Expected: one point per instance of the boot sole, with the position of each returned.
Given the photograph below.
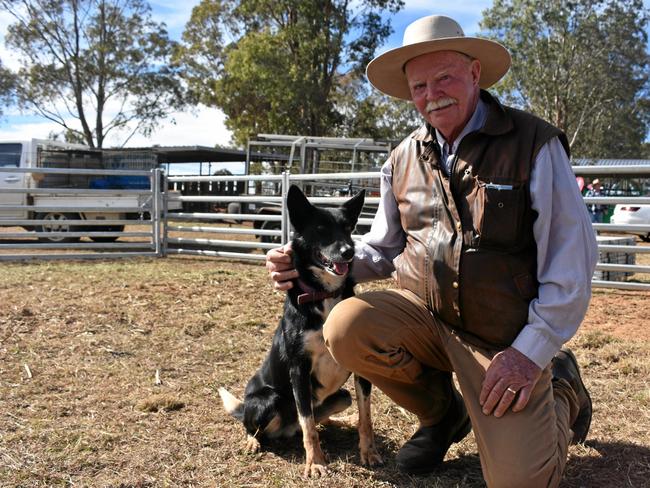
(580, 440)
(461, 433)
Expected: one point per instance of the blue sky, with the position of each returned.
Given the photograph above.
(205, 126)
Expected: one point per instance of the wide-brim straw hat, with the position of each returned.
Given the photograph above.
(431, 34)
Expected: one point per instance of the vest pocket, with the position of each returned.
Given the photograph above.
(501, 222)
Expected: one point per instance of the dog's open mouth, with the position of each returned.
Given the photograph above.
(340, 268)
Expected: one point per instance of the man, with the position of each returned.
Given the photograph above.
(596, 211)
(481, 224)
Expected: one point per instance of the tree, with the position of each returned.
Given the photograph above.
(7, 87)
(369, 113)
(580, 64)
(94, 66)
(277, 65)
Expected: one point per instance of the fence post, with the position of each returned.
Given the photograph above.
(165, 214)
(155, 209)
(285, 225)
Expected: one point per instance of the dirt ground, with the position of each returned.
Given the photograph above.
(109, 371)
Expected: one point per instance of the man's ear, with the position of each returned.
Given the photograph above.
(476, 71)
(352, 208)
(299, 208)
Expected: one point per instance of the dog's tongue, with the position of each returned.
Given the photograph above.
(341, 268)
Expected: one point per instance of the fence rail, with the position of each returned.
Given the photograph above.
(239, 226)
(611, 254)
(47, 223)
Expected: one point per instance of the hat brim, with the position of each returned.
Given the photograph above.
(386, 71)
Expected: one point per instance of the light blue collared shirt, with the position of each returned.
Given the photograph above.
(566, 247)
(475, 123)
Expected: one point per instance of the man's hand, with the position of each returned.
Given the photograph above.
(280, 266)
(510, 376)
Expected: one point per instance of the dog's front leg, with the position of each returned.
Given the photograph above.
(367, 448)
(315, 465)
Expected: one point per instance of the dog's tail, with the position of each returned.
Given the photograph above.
(233, 405)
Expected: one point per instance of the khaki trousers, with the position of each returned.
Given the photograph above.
(393, 340)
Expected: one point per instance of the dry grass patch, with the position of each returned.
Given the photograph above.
(109, 371)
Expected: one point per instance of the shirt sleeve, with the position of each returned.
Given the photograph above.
(567, 254)
(386, 239)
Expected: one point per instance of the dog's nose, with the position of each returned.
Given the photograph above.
(347, 252)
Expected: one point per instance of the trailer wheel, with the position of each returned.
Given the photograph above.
(108, 228)
(57, 224)
(269, 225)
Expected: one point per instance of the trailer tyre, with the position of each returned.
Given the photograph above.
(108, 228)
(270, 225)
(58, 225)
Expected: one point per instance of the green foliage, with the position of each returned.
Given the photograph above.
(280, 66)
(93, 66)
(580, 64)
(7, 87)
(374, 114)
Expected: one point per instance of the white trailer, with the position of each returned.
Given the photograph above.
(69, 186)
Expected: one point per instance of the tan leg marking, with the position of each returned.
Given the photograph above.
(315, 465)
(367, 447)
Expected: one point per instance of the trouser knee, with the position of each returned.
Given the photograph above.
(343, 329)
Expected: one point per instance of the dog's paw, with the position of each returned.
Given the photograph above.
(315, 470)
(370, 457)
(252, 445)
(349, 421)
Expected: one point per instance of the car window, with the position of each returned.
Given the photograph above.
(10, 154)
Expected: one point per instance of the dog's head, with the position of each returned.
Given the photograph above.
(322, 242)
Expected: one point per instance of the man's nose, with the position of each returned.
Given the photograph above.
(432, 92)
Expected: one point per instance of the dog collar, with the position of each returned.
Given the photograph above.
(310, 295)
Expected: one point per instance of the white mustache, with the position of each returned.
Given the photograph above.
(440, 103)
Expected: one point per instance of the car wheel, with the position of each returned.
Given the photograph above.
(57, 223)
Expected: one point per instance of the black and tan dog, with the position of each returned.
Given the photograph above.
(299, 384)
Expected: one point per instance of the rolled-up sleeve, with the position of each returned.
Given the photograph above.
(567, 254)
(385, 240)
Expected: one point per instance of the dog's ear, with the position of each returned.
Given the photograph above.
(299, 208)
(352, 208)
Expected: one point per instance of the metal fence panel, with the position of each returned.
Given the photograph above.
(80, 221)
(617, 248)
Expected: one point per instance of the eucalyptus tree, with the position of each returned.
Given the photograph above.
(93, 66)
(580, 64)
(280, 65)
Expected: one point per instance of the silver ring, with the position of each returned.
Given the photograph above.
(512, 390)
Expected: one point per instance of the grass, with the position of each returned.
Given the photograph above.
(109, 371)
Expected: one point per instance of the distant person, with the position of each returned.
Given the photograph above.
(482, 224)
(596, 211)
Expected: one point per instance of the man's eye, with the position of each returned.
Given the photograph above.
(419, 86)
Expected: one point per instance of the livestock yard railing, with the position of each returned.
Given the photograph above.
(48, 221)
(242, 225)
(253, 222)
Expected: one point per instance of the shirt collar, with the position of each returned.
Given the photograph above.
(475, 122)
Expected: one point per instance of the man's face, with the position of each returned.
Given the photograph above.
(444, 88)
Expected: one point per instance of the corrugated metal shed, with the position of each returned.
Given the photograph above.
(610, 162)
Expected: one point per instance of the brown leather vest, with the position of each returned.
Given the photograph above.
(470, 251)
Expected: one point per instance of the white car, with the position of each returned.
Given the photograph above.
(633, 214)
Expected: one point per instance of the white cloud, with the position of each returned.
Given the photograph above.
(204, 128)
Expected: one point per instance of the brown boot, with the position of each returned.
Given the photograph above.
(427, 448)
(565, 366)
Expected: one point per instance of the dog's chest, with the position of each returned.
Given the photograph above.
(329, 374)
(326, 306)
